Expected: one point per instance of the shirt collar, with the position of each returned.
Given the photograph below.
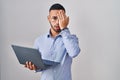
(49, 34)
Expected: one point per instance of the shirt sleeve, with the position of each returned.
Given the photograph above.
(36, 47)
(71, 43)
(38, 70)
(36, 44)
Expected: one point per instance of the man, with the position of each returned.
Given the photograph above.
(58, 45)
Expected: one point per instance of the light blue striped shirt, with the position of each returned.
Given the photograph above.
(61, 49)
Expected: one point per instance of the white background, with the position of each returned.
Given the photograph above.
(95, 22)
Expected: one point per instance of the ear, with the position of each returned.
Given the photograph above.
(48, 17)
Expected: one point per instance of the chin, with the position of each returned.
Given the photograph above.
(58, 30)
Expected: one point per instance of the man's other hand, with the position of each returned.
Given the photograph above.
(30, 65)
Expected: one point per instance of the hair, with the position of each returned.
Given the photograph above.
(57, 6)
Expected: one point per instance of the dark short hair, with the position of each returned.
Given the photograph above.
(56, 6)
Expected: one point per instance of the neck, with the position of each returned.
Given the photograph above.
(53, 33)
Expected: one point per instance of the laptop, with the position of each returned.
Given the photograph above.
(24, 54)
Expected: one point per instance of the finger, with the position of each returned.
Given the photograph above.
(60, 14)
(26, 64)
(63, 15)
(33, 67)
(30, 65)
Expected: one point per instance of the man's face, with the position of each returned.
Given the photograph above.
(54, 21)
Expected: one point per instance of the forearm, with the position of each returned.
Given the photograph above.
(71, 43)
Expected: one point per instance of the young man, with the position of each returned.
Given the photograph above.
(57, 45)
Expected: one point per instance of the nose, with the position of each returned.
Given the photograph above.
(57, 21)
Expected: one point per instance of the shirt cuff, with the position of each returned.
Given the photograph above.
(65, 32)
(38, 70)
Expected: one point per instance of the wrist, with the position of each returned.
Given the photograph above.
(65, 32)
(64, 29)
